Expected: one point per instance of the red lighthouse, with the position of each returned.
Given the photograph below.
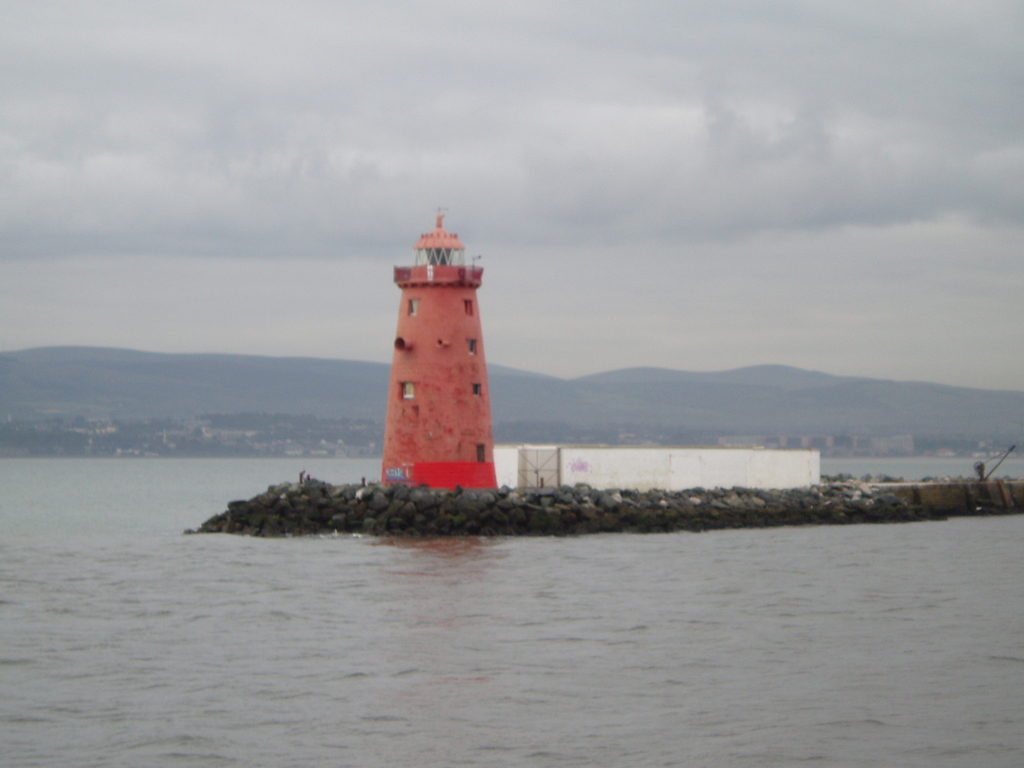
(438, 428)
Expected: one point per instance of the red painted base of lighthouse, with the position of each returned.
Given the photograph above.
(438, 430)
(445, 474)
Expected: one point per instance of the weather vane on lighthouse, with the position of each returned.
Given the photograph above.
(438, 428)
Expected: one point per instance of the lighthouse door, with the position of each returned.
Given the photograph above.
(538, 467)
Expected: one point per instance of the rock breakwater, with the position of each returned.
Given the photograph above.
(315, 507)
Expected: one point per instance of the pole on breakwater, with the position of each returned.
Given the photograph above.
(980, 466)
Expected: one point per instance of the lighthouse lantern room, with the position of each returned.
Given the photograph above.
(438, 429)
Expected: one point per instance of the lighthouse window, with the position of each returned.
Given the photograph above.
(480, 452)
(468, 304)
(476, 390)
(440, 256)
(408, 390)
(472, 346)
(414, 305)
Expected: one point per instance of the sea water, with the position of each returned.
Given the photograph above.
(125, 643)
(921, 467)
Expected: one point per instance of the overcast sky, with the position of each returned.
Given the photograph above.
(696, 185)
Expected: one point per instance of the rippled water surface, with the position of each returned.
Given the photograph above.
(919, 467)
(125, 643)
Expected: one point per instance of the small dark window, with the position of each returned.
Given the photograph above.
(414, 306)
(468, 304)
(476, 390)
(480, 452)
(472, 346)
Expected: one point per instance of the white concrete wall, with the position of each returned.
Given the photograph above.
(744, 467)
(674, 469)
(640, 468)
(506, 465)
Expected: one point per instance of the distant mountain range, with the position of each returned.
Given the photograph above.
(759, 400)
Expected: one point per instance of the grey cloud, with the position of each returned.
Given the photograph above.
(265, 127)
(707, 176)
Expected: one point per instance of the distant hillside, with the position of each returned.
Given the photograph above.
(98, 382)
(125, 384)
